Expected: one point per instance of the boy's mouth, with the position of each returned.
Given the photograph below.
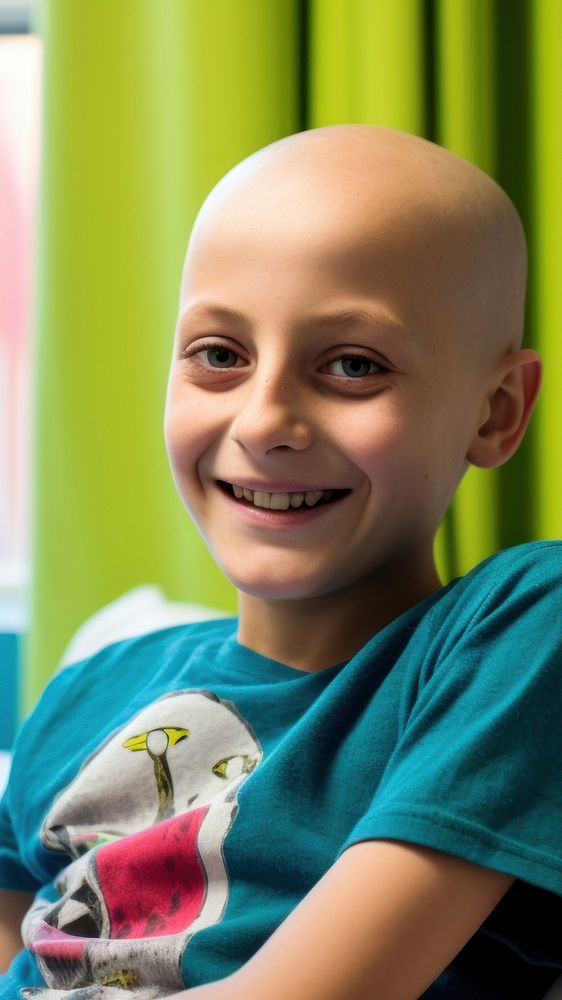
(281, 501)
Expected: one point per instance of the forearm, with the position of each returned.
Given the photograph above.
(384, 921)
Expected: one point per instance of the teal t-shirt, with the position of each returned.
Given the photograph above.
(173, 797)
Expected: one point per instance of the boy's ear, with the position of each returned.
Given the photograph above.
(507, 409)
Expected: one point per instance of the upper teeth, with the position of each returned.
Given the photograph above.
(281, 501)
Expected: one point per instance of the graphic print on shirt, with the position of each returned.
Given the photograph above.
(144, 821)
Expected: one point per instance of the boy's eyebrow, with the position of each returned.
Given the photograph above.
(346, 318)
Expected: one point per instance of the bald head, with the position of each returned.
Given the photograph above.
(450, 229)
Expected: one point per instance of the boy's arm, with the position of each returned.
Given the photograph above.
(13, 907)
(381, 924)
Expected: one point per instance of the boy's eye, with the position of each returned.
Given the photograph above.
(212, 356)
(353, 366)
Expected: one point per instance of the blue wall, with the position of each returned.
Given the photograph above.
(13, 624)
(9, 659)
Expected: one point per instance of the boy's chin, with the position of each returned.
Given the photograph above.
(274, 590)
(274, 586)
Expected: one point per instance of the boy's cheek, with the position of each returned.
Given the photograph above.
(187, 431)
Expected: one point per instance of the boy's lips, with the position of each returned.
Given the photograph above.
(280, 509)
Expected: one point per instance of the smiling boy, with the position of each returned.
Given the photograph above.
(352, 790)
(344, 220)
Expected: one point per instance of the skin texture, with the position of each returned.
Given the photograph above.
(343, 217)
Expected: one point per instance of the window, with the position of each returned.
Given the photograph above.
(20, 76)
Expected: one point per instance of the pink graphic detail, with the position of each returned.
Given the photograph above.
(153, 882)
(53, 943)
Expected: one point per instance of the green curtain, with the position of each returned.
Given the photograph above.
(146, 104)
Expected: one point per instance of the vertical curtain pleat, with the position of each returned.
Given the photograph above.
(366, 63)
(547, 215)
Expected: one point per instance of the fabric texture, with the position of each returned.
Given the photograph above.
(174, 796)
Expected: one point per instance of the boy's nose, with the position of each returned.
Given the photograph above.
(270, 416)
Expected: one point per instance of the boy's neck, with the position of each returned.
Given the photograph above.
(313, 633)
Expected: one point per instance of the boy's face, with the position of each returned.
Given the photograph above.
(285, 400)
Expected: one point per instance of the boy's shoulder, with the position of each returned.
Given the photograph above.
(143, 609)
(523, 581)
(154, 639)
(526, 564)
(100, 691)
(128, 666)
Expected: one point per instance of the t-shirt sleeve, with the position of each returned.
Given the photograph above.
(66, 725)
(34, 779)
(17, 805)
(13, 872)
(477, 771)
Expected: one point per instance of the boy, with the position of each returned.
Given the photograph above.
(352, 791)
